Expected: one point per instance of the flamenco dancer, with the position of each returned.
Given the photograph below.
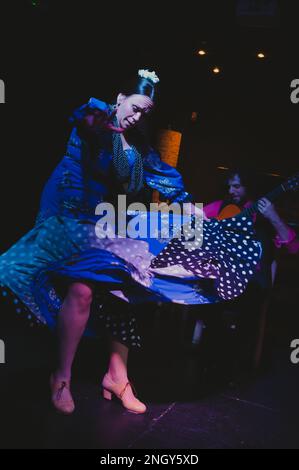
(107, 156)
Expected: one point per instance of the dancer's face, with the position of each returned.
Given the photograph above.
(131, 109)
(236, 190)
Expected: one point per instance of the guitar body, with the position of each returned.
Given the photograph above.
(228, 212)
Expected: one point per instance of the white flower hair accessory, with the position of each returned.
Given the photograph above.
(149, 75)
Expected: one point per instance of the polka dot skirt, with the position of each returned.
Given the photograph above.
(117, 318)
(227, 252)
(10, 301)
(109, 316)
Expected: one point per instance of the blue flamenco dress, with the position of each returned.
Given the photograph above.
(63, 246)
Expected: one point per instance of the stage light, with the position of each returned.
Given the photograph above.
(261, 55)
(202, 52)
(216, 70)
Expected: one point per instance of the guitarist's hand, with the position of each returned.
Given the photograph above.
(267, 209)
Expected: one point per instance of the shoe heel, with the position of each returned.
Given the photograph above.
(106, 394)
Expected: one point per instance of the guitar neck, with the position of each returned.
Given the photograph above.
(253, 209)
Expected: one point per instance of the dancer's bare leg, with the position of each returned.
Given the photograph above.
(118, 363)
(116, 378)
(72, 321)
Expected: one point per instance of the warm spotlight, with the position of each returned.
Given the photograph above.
(216, 70)
(261, 55)
(202, 52)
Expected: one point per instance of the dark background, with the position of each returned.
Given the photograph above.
(56, 54)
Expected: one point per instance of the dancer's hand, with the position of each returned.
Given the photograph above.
(99, 119)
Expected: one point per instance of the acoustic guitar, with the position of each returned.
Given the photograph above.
(232, 210)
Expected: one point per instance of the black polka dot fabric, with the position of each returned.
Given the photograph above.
(10, 301)
(227, 252)
(109, 316)
(117, 319)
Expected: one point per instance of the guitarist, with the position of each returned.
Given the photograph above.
(269, 224)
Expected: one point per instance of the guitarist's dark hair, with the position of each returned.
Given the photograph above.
(249, 178)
